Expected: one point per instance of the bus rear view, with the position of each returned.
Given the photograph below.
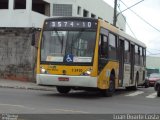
(66, 55)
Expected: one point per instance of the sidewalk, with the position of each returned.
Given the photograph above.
(5, 83)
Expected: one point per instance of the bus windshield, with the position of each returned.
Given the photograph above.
(68, 46)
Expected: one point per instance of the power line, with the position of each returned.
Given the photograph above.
(141, 18)
(155, 54)
(130, 7)
(154, 49)
(150, 53)
(127, 23)
(115, 10)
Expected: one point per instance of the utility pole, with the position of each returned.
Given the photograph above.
(115, 13)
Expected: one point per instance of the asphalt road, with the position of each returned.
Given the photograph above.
(20, 101)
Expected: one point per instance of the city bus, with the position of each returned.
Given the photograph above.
(77, 53)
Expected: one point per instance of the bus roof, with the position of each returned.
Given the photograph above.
(71, 18)
(121, 33)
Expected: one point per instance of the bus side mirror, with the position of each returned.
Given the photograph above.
(33, 42)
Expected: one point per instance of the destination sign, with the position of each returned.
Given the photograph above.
(70, 24)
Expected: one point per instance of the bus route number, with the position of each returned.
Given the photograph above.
(77, 70)
(71, 24)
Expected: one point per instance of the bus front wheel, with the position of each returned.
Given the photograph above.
(63, 89)
(110, 91)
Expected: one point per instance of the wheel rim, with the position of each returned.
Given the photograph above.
(136, 84)
(111, 86)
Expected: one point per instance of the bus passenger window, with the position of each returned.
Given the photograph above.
(141, 55)
(127, 52)
(103, 46)
(112, 46)
(137, 55)
(144, 56)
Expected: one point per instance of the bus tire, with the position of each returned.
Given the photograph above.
(135, 86)
(136, 82)
(146, 85)
(110, 91)
(158, 91)
(63, 89)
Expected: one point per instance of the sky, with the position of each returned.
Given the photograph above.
(149, 10)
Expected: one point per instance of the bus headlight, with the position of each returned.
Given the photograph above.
(43, 71)
(87, 73)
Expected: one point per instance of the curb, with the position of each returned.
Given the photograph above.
(29, 88)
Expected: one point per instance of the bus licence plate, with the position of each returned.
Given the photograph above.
(63, 79)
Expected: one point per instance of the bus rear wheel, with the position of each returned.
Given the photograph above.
(63, 89)
(135, 86)
(136, 83)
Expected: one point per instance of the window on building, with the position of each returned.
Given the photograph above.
(93, 15)
(4, 4)
(19, 4)
(62, 10)
(79, 10)
(85, 13)
(41, 7)
(112, 46)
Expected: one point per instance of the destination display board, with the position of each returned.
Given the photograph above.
(51, 24)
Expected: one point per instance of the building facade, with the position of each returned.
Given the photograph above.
(31, 13)
(152, 64)
(20, 22)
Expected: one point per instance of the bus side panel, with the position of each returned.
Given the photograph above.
(104, 76)
(127, 72)
(139, 70)
(95, 62)
(38, 54)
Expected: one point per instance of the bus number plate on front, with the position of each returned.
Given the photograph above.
(63, 79)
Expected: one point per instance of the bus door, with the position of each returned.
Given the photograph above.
(121, 62)
(132, 63)
(103, 50)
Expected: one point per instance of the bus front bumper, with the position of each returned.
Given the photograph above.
(64, 80)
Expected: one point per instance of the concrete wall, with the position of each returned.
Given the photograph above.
(21, 18)
(17, 56)
(27, 18)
